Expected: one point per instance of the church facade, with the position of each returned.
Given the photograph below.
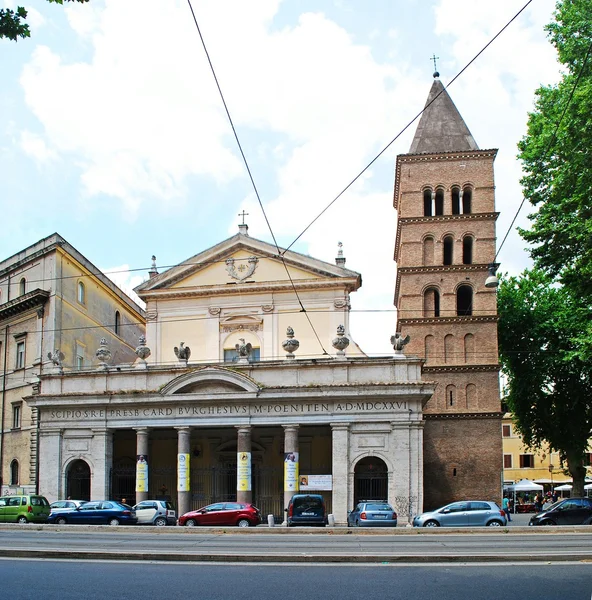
(247, 387)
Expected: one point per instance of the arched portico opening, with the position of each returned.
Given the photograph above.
(370, 479)
(78, 480)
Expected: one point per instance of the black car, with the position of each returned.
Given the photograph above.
(571, 511)
(306, 509)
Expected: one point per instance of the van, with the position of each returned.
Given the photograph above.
(29, 508)
(306, 509)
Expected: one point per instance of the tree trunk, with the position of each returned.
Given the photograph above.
(577, 470)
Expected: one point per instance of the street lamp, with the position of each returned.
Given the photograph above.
(492, 281)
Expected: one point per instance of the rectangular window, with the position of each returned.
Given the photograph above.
(20, 355)
(527, 461)
(16, 416)
(79, 356)
(507, 461)
(506, 430)
(80, 362)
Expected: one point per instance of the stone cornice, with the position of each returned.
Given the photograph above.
(443, 268)
(447, 320)
(29, 301)
(433, 369)
(461, 416)
(445, 156)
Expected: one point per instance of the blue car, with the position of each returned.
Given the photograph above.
(373, 513)
(103, 512)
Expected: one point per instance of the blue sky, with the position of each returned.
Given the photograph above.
(113, 135)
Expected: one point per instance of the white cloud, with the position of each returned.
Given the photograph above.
(35, 146)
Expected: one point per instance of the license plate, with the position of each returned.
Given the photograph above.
(308, 514)
(379, 516)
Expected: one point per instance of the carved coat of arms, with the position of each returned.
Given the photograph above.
(242, 271)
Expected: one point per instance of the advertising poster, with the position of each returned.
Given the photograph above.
(243, 475)
(316, 482)
(291, 471)
(142, 473)
(183, 472)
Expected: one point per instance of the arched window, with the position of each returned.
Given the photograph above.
(22, 287)
(429, 347)
(468, 250)
(117, 322)
(449, 348)
(471, 396)
(431, 303)
(447, 257)
(469, 348)
(14, 472)
(81, 293)
(428, 251)
(450, 395)
(455, 200)
(467, 197)
(464, 301)
(439, 201)
(427, 203)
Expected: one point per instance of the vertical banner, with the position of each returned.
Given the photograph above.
(183, 473)
(291, 471)
(243, 471)
(142, 473)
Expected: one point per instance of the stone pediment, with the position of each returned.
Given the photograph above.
(244, 261)
(210, 380)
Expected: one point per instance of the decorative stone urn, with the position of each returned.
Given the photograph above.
(103, 354)
(341, 342)
(290, 345)
(142, 352)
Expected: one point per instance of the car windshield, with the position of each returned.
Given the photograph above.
(378, 507)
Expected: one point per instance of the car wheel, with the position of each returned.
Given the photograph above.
(22, 520)
(190, 523)
(114, 522)
(494, 524)
(431, 523)
(548, 522)
(61, 521)
(160, 522)
(243, 523)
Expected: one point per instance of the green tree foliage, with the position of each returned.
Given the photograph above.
(549, 384)
(556, 156)
(13, 24)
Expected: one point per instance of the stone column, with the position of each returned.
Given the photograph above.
(141, 464)
(51, 474)
(244, 489)
(341, 480)
(291, 462)
(101, 449)
(183, 470)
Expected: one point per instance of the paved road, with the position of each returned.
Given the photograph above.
(49, 580)
(304, 546)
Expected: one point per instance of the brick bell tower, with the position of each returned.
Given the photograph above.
(445, 198)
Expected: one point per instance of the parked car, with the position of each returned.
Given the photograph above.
(155, 512)
(61, 506)
(223, 513)
(102, 512)
(571, 511)
(373, 513)
(28, 508)
(472, 513)
(306, 509)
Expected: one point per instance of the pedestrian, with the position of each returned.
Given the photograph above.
(538, 503)
(124, 500)
(506, 507)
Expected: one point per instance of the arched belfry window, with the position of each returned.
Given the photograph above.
(117, 323)
(431, 303)
(428, 251)
(455, 193)
(81, 293)
(464, 301)
(427, 203)
(22, 287)
(468, 250)
(439, 202)
(448, 250)
(467, 198)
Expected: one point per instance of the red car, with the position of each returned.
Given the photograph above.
(223, 513)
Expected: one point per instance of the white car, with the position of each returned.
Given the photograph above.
(61, 506)
(155, 512)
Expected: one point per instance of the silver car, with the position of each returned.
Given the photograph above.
(471, 513)
(155, 512)
(62, 506)
(374, 513)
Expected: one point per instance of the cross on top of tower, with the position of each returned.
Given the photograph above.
(435, 58)
(243, 215)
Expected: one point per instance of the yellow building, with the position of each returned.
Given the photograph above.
(521, 462)
(55, 308)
